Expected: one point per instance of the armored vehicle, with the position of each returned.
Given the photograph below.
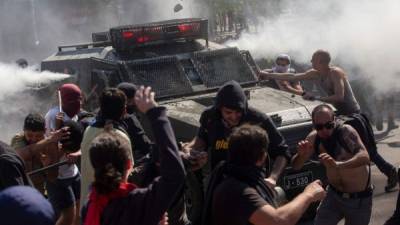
(185, 69)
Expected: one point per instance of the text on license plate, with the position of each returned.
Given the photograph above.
(297, 180)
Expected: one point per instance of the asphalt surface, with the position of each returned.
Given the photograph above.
(383, 203)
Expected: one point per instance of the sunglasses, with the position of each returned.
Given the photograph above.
(328, 125)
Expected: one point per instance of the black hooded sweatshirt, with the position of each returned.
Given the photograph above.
(214, 133)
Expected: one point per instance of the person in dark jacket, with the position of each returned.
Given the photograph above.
(146, 157)
(231, 110)
(12, 168)
(141, 143)
(114, 201)
(238, 194)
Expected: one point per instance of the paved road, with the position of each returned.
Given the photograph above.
(383, 203)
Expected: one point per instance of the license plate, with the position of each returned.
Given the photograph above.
(297, 180)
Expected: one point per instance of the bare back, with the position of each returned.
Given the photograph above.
(335, 80)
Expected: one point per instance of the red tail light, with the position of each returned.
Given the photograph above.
(186, 27)
(128, 34)
(142, 39)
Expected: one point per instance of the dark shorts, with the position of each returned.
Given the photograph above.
(63, 193)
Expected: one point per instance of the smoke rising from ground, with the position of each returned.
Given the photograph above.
(19, 96)
(360, 35)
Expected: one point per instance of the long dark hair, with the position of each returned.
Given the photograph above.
(109, 154)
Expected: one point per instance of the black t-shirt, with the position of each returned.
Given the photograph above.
(234, 202)
(215, 134)
(12, 168)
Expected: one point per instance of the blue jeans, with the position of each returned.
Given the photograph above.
(355, 211)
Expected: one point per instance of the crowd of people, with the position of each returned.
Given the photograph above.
(102, 168)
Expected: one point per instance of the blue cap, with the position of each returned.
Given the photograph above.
(21, 205)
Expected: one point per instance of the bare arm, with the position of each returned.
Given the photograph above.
(26, 153)
(290, 213)
(338, 77)
(286, 86)
(195, 152)
(196, 144)
(355, 145)
(305, 149)
(309, 75)
(279, 165)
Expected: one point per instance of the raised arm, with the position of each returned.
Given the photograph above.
(27, 152)
(305, 149)
(163, 191)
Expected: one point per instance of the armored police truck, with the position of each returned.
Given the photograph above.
(185, 70)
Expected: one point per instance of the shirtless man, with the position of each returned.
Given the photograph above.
(346, 161)
(332, 79)
(335, 84)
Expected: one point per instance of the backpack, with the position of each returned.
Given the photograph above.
(360, 123)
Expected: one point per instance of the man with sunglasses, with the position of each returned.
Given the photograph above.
(335, 84)
(346, 160)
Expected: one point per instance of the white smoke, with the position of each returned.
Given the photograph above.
(19, 95)
(33, 29)
(47, 24)
(359, 34)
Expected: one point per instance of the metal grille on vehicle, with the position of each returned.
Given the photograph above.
(219, 66)
(165, 75)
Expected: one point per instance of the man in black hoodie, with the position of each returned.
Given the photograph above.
(231, 110)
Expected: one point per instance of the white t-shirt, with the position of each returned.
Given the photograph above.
(87, 171)
(68, 170)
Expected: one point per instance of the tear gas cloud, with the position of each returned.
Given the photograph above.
(18, 96)
(33, 29)
(360, 35)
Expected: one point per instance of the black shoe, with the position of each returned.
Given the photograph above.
(392, 126)
(393, 178)
(394, 220)
(379, 124)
